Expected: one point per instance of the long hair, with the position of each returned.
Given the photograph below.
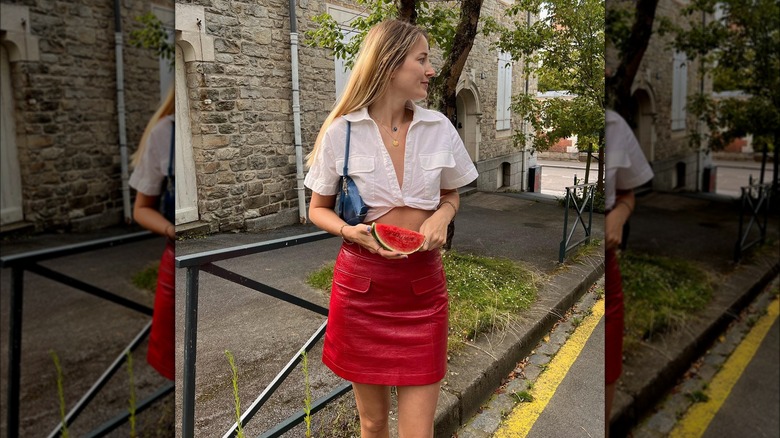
(382, 52)
(166, 108)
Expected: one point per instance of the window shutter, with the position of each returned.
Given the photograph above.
(504, 91)
(679, 90)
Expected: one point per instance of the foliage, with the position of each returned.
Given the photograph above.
(236, 399)
(742, 52)
(153, 35)
(660, 293)
(307, 396)
(438, 19)
(565, 50)
(131, 402)
(146, 279)
(60, 393)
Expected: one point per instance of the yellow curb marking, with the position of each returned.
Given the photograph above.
(524, 415)
(699, 416)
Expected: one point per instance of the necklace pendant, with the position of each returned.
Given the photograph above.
(395, 143)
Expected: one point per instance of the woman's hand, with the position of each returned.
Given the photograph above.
(435, 227)
(435, 231)
(361, 235)
(616, 219)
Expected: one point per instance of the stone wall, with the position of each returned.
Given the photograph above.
(243, 143)
(66, 112)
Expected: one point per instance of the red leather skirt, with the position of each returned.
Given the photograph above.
(387, 323)
(613, 319)
(162, 339)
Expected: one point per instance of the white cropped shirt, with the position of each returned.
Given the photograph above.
(627, 167)
(435, 159)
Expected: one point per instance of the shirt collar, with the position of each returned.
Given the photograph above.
(420, 114)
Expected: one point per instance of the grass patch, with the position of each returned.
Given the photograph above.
(322, 278)
(697, 396)
(522, 397)
(146, 279)
(485, 293)
(660, 293)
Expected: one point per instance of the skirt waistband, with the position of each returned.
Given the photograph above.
(418, 258)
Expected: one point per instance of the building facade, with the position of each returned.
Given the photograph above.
(663, 126)
(61, 125)
(235, 126)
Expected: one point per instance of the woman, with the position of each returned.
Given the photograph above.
(153, 178)
(626, 169)
(387, 323)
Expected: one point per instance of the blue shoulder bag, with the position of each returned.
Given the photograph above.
(349, 205)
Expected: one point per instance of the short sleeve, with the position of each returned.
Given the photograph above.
(323, 178)
(464, 171)
(149, 174)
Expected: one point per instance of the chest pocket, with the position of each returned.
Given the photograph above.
(360, 169)
(432, 165)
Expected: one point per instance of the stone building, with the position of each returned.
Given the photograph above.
(61, 126)
(662, 125)
(236, 159)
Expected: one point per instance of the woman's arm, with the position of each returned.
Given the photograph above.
(624, 206)
(322, 215)
(435, 227)
(146, 214)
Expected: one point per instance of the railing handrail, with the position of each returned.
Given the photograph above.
(204, 257)
(76, 248)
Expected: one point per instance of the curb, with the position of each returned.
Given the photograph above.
(642, 386)
(482, 368)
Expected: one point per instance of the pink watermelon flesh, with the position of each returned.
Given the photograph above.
(397, 239)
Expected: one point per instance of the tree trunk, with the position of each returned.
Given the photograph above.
(407, 11)
(446, 83)
(619, 84)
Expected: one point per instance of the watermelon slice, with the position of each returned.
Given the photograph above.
(397, 239)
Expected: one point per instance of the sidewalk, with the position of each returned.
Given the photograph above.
(701, 229)
(86, 332)
(264, 333)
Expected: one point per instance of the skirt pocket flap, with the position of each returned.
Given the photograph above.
(428, 283)
(351, 282)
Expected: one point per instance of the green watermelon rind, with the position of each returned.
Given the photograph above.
(387, 246)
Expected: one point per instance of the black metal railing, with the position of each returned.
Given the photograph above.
(28, 261)
(203, 261)
(755, 201)
(579, 196)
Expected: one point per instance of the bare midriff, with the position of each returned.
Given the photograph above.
(405, 217)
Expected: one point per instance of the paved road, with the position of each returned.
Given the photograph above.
(564, 375)
(577, 408)
(737, 383)
(731, 175)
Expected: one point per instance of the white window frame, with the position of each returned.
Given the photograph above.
(504, 92)
(679, 90)
(343, 17)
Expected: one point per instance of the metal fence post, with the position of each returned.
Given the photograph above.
(190, 342)
(562, 250)
(15, 349)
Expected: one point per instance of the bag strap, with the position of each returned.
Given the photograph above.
(346, 153)
(171, 156)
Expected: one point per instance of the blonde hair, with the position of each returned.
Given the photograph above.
(381, 53)
(166, 108)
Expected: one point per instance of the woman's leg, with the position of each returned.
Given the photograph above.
(373, 403)
(416, 408)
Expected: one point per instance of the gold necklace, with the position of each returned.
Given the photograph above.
(395, 129)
